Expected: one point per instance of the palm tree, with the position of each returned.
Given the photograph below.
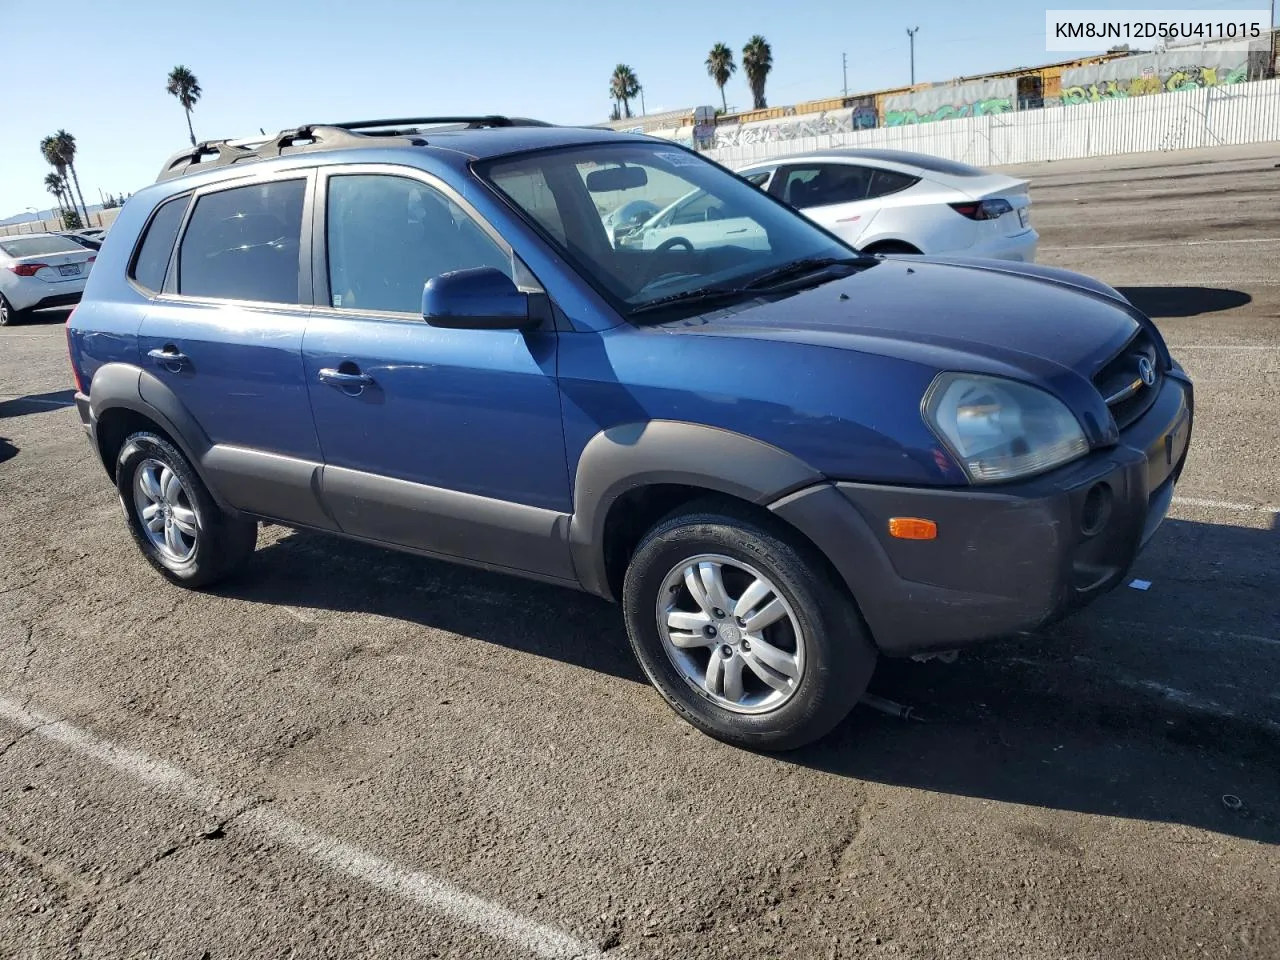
(184, 85)
(66, 148)
(720, 67)
(56, 185)
(623, 87)
(757, 61)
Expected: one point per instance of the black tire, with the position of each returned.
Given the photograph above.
(222, 543)
(8, 315)
(840, 656)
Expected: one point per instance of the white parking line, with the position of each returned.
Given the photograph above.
(1223, 505)
(417, 887)
(1200, 631)
(1163, 243)
(1225, 346)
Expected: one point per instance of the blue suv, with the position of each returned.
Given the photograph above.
(783, 458)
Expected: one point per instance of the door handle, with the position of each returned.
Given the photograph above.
(332, 375)
(168, 355)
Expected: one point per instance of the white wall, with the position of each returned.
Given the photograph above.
(1211, 116)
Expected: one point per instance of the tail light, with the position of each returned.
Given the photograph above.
(71, 355)
(983, 209)
(91, 259)
(26, 269)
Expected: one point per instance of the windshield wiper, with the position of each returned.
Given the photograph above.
(704, 295)
(756, 286)
(798, 268)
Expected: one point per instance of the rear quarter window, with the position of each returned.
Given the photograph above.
(151, 262)
(885, 182)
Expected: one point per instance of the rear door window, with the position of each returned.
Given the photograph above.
(151, 262)
(244, 244)
(824, 184)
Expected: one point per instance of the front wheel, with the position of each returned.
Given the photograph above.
(741, 627)
(175, 522)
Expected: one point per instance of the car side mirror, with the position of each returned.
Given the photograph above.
(478, 298)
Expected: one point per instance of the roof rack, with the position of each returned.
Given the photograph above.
(406, 132)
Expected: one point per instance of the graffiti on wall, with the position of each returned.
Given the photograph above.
(947, 102)
(1182, 78)
(794, 127)
(949, 111)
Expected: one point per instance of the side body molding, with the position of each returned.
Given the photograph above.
(633, 455)
(240, 481)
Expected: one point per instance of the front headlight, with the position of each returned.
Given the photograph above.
(1001, 429)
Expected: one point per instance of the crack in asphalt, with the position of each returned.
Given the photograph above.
(218, 831)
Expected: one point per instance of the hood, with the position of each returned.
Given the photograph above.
(971, 315)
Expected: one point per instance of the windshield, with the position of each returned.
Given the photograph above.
(645, 222)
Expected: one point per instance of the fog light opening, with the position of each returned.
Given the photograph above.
(1096, 511)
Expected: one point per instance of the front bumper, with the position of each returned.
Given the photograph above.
(1009, 558)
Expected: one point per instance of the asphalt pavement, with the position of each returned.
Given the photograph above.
(352, 753)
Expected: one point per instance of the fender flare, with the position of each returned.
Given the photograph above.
(123, 386)
(631, 455)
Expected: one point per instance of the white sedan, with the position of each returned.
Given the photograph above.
(40, 270)
(892, 201)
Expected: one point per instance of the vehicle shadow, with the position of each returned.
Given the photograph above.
(7, 450)
(319, 571)
(1086, 716)
(37, 402)
(1168, 302)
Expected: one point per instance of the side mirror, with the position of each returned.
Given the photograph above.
(478, 298)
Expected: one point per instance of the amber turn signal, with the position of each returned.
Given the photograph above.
(912, 528)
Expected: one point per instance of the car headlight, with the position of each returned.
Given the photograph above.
(1001, 429)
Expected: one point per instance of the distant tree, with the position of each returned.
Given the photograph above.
(57, 186)
(757, 61)
(71, 220)
(184, 85)
(66, 147)
(49, 150)
(624, 87)
(720, 67)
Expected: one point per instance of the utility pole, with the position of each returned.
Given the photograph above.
(911, 32)
(844, 62)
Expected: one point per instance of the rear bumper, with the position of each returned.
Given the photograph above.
(1020, 247)
(1006, 559)
(58, 300)
(35, 294)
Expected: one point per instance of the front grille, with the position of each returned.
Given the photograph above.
(1121, 383)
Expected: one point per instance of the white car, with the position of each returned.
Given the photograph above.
(40, 270)
(892, 201)
(693, 221)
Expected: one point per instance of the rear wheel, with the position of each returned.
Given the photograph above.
(173, 519)
(740, 626)
(8, 314)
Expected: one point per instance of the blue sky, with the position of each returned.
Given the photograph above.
(278, 63)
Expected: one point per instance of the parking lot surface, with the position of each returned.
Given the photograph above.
(352, 753)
